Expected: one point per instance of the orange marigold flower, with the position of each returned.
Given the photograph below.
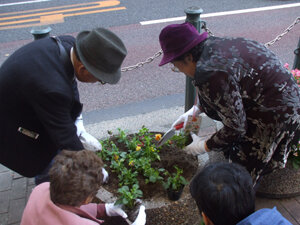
(157, 137)
(138, 148)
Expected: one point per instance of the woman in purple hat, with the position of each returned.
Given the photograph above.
(244, 85)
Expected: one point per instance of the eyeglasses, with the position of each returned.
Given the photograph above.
(175, 69)
(102, 82)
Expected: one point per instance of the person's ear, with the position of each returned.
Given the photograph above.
(81, 68)
(206, 220)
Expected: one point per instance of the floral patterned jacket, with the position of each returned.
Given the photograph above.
(243, 84)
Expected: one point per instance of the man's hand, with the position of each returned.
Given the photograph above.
(184, 117)
(105, 175)
(141, 218)
(88, 141)
(114, 210)
(198, 146)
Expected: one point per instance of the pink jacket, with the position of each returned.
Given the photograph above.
(40, 210)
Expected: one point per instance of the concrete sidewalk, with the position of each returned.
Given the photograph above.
(15, 189)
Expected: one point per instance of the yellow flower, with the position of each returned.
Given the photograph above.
(157, 137)
(138, 148)
(152, 149)
(131, 163)
(116, 157)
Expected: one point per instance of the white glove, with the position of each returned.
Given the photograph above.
(105, 175)
(197, 146)
(87, 140)
(184, 117)
(141, 218)
(114, 210)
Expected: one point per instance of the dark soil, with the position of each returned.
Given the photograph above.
(183, 211)
(169, 157)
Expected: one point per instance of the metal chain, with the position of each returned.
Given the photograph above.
(159, 53)
(140, 64)
(297, 20)
(204, 27)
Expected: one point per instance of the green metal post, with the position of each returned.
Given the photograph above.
(193, 17)
(297, 57)
(40, 32)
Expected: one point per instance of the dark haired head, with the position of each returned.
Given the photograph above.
(224, 193)
(195, 52)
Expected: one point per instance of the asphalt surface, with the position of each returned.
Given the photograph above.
(151, 87)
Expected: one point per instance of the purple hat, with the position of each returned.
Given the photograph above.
(177, 39)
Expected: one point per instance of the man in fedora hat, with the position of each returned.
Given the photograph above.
(40, 110)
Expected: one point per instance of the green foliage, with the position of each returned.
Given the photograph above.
(178, 140)
(175, 181)
(129, 195)
(127, 177)
(136, 160)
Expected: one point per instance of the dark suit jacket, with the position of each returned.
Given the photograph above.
(38, 93)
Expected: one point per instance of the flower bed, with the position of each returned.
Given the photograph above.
(139, 169)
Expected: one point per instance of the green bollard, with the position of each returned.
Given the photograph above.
(193, 17)
(297, 57)
(39, 33)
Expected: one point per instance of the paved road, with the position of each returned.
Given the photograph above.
(152, 83)
(69, 16)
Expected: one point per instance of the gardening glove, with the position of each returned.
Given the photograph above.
(105, 175)
(87, 140)
(141, 218)
(197, 146)
(184, 117)
(114, 210)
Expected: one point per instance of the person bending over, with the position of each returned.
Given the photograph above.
(75, 178)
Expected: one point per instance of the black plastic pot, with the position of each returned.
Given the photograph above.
(174, 195)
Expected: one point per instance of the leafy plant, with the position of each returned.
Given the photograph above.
(129, 195)
(136, 160)
(127, 177)
(178, 140)
(175, 181)
(294, 156)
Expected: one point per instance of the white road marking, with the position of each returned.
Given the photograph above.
(22, 3)
(223, 13)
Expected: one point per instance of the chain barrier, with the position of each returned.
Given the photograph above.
(297, 20)
(140, 64)
(204, 27)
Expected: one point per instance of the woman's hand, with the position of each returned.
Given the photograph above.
(194, 111)
(198, 146)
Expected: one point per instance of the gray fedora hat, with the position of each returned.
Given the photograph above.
(102, 53)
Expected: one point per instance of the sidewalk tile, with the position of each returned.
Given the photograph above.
(5, 180)
(29, 190)
(16, 175)
(3, 219)
(30, 181)
(16, 208)
(3, 168)
(18, 188)
(4, 201)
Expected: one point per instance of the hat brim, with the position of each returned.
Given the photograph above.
(169, 57)
(111, 78)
